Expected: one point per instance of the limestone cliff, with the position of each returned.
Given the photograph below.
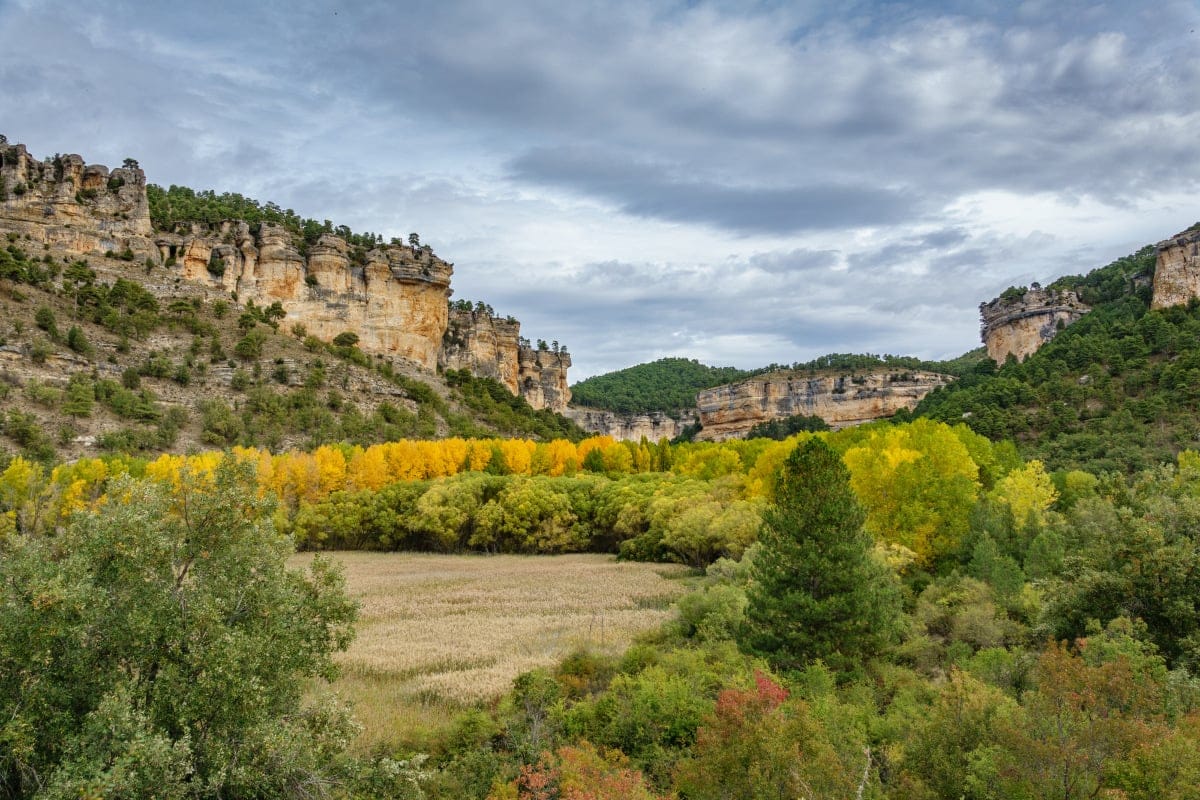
(1177, 270)
(730, 411)
(484, 344)
(75, 208)
(393, 297)
(631, 427)
(1018, 323)
(542, 378)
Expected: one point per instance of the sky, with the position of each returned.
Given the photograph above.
(742, 183)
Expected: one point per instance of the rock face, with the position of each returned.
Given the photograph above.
(491, 346)
(394, 297)
(76, 208)
(1019, 324)
(730, 411)
(631, 427)
(1177, 270)
(542, 378)
(484, 344)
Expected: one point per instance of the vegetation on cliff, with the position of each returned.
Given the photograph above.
(177, 205)
(1114, 391)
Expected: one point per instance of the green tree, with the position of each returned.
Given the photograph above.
(161, 647)
(817, 590)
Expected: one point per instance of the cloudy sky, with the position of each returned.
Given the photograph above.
(738, 182)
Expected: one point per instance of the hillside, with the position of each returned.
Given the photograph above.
(667, 385)
(138, 319)
(1116, 390)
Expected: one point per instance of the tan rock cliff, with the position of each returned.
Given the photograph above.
(1019, 325)
(631, 427)
(542, 377)
(74, 207)
(730, 411)
(484, 344)
(393, 297)
(1177, 270)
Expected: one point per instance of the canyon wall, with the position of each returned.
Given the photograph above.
(1019, 323)
(490, 346)
(730, 411)
(394, 297)
(631, 427)
(1177, 270)
(76, 208)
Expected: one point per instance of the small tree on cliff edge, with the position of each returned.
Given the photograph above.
(817, 592)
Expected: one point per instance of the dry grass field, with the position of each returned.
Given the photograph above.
(440, 632)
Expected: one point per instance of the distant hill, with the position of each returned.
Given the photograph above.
(1117, 390)
(669, 384)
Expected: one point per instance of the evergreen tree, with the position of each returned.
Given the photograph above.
(817, 592)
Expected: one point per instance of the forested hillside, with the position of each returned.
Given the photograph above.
(1117, 390)
(668, 384)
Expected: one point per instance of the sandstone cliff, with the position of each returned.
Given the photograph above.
(1020, 323)
(631, 427)
(492, 347)
(1177, 270)
(730, 411)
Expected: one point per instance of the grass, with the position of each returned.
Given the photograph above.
(438, 633)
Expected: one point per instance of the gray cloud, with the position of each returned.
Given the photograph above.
(881, 167)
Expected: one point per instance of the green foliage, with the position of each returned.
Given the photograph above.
(668, 384)
(1113, 391)
(817, 591)
(504, 412)
(781, 429)
(178, 204)
(155, 652)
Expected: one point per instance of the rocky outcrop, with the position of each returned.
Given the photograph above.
(393, 297)
(1017, 322)
(631, 427)
(74, 207)
(483, 344)
(542, 377)
(1177, 270)
(730, 411)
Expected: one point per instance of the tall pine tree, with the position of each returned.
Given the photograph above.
(817, 592)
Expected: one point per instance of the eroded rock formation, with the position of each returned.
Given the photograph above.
(542, 378)
(730, 411)
(631, 427)
(1018, 323)
(393, 297)
(75, 208)
(1177, 270)
(484, 344)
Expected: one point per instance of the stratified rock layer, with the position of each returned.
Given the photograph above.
(631, 427)
(730, 411)
(1177, 270)
(1019, 325)
(394, 297)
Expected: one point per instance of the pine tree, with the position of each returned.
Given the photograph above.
(817, 591)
